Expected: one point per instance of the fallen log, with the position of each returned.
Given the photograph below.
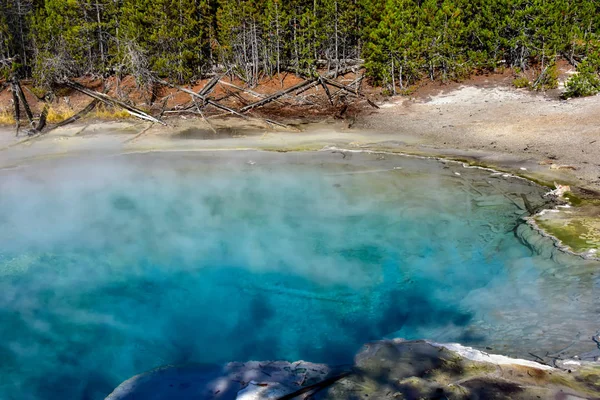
(277, 95)
(330, 74)
(199, 110)
(355, 84)
(326, 88)
(308, 87)
(237, 96)
(204, 99)
(225, 108)
(341, 86)
(350, 91)
(210, 85)
(77, 116)
(106, 99)
(245, 90)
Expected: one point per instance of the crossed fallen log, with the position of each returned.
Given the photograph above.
(200, 99)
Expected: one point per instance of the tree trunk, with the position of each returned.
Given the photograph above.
(100, 40)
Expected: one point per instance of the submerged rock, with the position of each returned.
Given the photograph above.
(245, 381)
(390, 369)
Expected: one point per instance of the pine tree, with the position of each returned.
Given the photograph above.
(401, 41)
(168, 32)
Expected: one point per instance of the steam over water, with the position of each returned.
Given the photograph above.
(113, 266)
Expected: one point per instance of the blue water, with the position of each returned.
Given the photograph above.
(112, 266)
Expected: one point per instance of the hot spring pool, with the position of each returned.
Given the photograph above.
(111, 266)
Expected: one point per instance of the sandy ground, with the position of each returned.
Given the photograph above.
(498, 124)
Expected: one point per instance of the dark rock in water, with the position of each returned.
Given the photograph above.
(176, 382)
(391, 369)
(251, 380)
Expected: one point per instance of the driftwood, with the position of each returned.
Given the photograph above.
(106, 99)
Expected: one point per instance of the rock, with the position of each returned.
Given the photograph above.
(263, 391)
(560, 190)
(396, 369)
(388, 369)
(236, 380)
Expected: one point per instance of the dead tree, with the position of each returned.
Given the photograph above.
(106, 99)
(205, 100)
(326, 88)
(17, 109)
(77, 116)
(277, 95)
(350, 91)
(210, 85)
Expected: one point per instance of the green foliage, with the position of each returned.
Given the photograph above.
(521, 82)
(547, 79)
(168, 32)
(401, 41)
(586, 81)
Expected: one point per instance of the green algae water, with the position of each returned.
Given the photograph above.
(112, 266)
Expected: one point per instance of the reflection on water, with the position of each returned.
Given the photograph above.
(114, 266)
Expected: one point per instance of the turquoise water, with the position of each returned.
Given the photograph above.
(112, 266)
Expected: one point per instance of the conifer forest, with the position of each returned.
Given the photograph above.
(399, 42)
